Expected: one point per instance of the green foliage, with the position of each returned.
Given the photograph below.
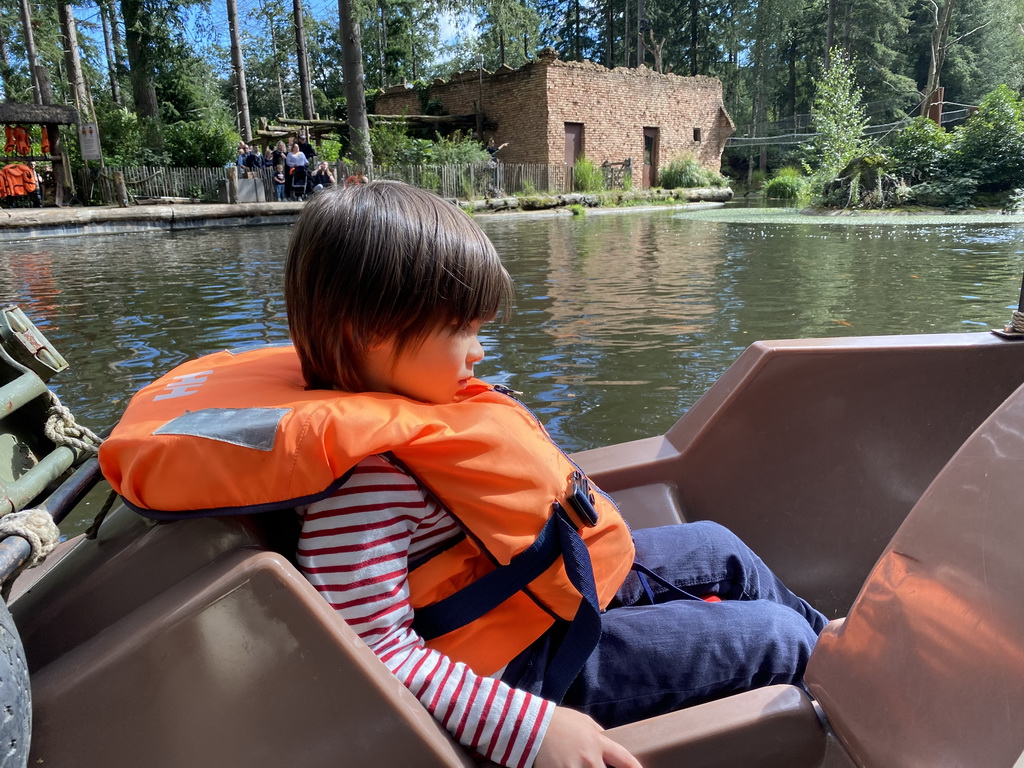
(120, 134)
(1015, 201)
(392, 144)
(201, 143)
(685, 170)
(330, 148)
(918, 151)
(458, 149)
(578, 210)
(989, 147)
(787, 184)
(955, 193)
(839, 119)
(586, 177)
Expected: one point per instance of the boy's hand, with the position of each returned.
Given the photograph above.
(574, 740)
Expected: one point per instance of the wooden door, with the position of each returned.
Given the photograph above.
(573, 142)
(650, 175)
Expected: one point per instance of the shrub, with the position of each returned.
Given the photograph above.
(577, 209)
(685, 170)
(787, 184)
(989, 147)
(392, 145)
(200, 143)
(587, 177)
(458, 149)
(918, 151)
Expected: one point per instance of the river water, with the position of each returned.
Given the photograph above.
(623, 320)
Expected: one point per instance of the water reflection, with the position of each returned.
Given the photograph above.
(622, 320)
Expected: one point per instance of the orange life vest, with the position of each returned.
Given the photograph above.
(231, 433)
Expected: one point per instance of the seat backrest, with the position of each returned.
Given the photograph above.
(928, 667)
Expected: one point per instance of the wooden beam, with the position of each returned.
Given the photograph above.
(37, 114)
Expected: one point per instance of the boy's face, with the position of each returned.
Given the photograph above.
(434, 372)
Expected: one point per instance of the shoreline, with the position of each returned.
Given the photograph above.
(44, 223)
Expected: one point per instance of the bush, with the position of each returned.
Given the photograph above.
(392, 145)
(918, 151)
(587, 177)
(200, 144)
(787, 184)
(458, 149)
(989, 147)
(685, 170)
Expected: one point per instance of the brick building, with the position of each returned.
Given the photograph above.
(551, 111)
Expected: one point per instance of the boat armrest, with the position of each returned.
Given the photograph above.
(773, 727)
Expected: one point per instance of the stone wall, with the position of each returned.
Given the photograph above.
(529, 107)
(616, 105)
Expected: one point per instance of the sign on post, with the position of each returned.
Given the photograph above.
(89, 141)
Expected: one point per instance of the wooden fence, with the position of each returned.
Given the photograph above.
(474, 180)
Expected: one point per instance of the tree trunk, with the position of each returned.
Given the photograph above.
(115, 39)
(33, 55)
(352, 64)
(302, 56)
(694, 35)
(609, 35)
(73, 62)
(238, 69)
(5, 65)
(940, 37)
(108, 47)
(625, 34)
(640, 13)
(830, 33)
(139, 47)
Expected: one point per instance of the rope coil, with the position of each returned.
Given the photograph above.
(1017, 322)
(36, 526)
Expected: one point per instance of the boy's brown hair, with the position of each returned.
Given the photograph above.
(379, 261)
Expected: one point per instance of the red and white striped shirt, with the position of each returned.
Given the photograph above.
(355, 548)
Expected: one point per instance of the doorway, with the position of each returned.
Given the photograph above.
(650, 157)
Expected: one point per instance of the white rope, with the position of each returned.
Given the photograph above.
(36, 527)
(62, 429)
(1017, 323)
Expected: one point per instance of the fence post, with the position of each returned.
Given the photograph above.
(232, 183)
(121, 189)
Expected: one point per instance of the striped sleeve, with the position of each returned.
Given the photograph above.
(354, 548)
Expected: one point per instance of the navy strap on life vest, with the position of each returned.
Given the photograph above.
(558, 538)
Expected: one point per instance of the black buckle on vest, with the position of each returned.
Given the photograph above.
(581, 501)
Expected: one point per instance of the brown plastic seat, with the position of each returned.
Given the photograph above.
(241, 663)
(928, 667)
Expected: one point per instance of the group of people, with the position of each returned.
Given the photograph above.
(291, 166)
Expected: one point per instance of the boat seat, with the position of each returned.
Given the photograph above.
(90, 584)
(240, 663)
(928, 669)
(243, 647)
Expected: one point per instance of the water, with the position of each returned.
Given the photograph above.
(623, 320)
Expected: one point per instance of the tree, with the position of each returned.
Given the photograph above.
(839, 118)
(352, 58)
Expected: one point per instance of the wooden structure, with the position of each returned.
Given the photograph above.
(316, 129)
(49, 118)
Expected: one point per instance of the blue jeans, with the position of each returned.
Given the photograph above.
(660, 651)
